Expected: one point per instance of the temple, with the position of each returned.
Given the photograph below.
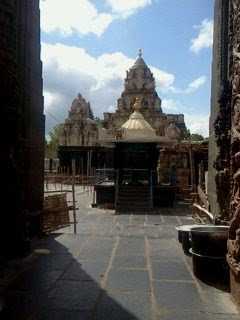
(140, 83)
(79, 128)
(54, 241)
(137, 123)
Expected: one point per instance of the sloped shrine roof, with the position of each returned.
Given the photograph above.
(137, 126)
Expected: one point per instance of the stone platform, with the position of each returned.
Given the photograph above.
(119, 267)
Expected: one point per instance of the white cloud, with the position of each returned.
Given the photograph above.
(196, 84)
(126, 8)
(50, 99)
(69, 16)
(197, 123)
(81, 16)
(69, 70)
(204, 38)
(191, 88)
(170, 105)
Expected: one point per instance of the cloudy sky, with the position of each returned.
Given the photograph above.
(87, 46)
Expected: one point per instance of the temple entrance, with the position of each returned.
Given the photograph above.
(135, 165)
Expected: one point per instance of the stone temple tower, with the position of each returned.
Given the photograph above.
(79, 129)
(140, 83)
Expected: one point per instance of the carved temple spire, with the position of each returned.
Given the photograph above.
(140, 53)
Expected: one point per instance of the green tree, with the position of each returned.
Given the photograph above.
(98, 122)
(51, 145)
(186, 134)
(196, 137)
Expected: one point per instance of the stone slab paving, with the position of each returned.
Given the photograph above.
(117, 267)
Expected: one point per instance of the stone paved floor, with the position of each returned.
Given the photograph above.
(117, 267)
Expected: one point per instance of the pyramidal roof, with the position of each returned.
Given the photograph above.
(136, 127)
(136, 121)
(139, 63)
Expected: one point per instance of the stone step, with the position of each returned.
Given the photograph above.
(132, 204)
(133, 192)
(125, 205)
(127, 202)
(134, 197)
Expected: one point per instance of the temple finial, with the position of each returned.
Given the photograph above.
(140, 52)
(137, 104)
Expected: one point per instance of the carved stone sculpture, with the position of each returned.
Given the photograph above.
(233, 255)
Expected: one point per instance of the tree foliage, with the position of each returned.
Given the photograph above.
(187, 135)
(51, 145)
(196, 137)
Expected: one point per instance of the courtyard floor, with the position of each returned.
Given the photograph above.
(116, 267)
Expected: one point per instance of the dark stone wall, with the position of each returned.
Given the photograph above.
(33, 122)
(22, 129)
(220, 118)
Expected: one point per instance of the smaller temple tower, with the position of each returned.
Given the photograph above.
(79, 128)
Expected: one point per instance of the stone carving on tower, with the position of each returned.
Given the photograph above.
(234, 232)
(79, 128)
(140, 83)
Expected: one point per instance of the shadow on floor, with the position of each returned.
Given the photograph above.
(57, 286)
(179, 209)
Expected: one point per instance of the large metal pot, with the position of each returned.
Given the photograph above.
(209, 248)
(184, 236)
(209, 240)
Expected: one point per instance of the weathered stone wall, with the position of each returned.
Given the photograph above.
(33, 125)
(234, 78)
(22, 130)
(219, 136)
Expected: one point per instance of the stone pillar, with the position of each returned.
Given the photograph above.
(220, 118)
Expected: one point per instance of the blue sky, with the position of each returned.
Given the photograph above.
(87, 46)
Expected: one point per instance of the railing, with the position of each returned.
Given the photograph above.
(134, 176)
(151, 189)
(116, 188)
(105, 175)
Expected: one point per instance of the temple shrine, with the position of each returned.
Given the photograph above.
(140, 83)
(148, 141)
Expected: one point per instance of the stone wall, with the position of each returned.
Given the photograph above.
(33, 121)
(219, 136)
(22, 131)
(234, 99)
